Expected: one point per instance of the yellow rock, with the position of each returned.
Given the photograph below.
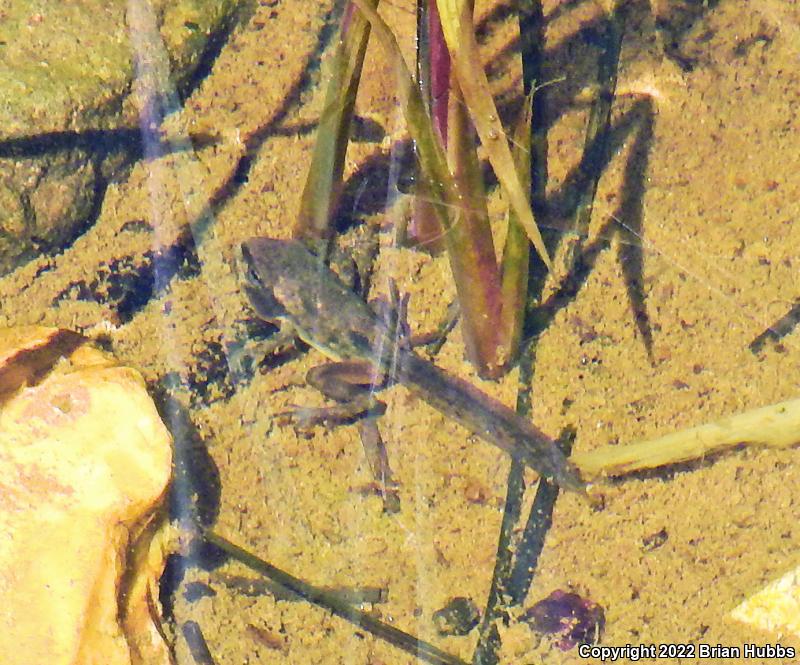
(84, 465)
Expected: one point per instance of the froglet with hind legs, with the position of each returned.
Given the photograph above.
(287, 284)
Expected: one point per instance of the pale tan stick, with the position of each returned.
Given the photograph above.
(775, 426)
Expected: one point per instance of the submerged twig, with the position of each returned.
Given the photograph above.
(496, 609)
(777, 330)
(774, 426)
(333, 602)
(258, 586)
(196, 642)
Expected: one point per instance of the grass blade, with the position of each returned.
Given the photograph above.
(456, 19)
(324, 182)
(516, 252)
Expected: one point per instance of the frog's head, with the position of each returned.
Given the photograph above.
(262, 263)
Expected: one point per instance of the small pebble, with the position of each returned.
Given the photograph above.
(458, 617)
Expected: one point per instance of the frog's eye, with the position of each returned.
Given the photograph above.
(247, 264)
(265, 303)
(252, 275)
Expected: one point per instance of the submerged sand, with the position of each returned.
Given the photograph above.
(715, 182)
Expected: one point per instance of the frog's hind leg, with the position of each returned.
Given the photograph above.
(352, 385)
(378, 460)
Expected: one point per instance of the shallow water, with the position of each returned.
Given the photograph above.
(694, 261)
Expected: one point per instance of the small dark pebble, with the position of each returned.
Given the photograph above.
(458, 617)
(136, 226)
(194, 591)
(570, 618)
(654, 540)
(267, 638)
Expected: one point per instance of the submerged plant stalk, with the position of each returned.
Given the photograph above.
(774, 426)
(477, 284)
(324, 182)
(433, 78)
(516, 252)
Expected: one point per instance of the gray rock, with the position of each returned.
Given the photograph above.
(69, 121)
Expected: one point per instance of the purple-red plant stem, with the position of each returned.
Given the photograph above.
(433, 71)
(439, 58)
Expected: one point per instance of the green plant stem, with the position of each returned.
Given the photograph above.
(324, 181)
(477, 284)
(516, 252)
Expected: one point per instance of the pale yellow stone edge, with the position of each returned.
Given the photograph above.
(776, 608)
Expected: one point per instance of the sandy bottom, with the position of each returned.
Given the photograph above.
(697, 204)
